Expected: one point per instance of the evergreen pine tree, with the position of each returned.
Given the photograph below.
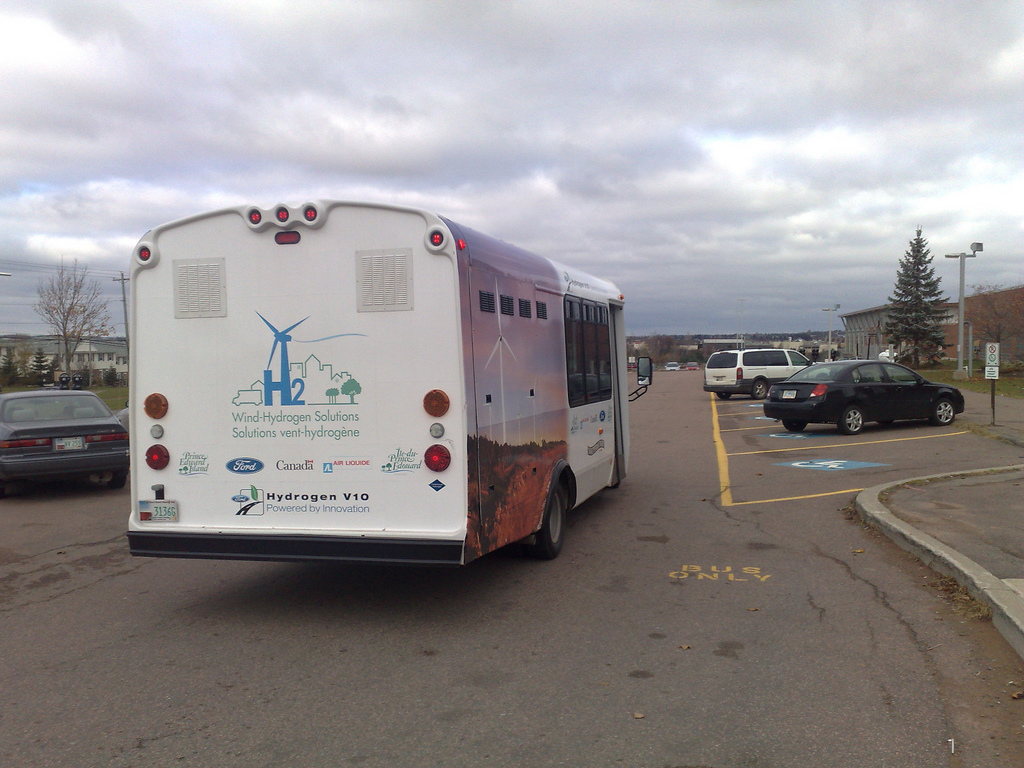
(915, 307)
(40, 363)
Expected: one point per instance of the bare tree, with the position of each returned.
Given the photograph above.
(74, 307)
(997, 312)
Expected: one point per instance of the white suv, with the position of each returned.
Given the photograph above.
(750, 371)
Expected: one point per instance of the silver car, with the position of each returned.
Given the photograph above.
(48, 434)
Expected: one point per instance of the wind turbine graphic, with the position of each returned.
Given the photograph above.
(498, 345)
(284, 386)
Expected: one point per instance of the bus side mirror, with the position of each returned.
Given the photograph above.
(644, 372)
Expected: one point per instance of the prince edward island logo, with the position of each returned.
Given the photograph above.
(296, 382)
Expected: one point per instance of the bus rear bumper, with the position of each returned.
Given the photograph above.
(231, 546)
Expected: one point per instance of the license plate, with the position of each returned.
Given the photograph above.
(69, 443)
(158, 511)
(789, 394)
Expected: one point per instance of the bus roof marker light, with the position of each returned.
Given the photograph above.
(436, 239)
(309, 213)
(255, 216)
(282, 214)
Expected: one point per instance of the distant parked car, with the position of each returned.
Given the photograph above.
(851, 393)
(50, 434)
(672, 367)
(693, 366)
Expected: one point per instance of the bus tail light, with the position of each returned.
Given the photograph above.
(155, 406)
(157, 457)
(437, 458)
(436, 403)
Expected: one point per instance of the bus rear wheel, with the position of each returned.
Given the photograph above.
(548, 540)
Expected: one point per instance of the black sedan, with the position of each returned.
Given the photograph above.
(851, 393)
(50, 434)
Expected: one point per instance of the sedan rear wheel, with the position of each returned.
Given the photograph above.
(943, 413)
(852, 420)
(794, 426)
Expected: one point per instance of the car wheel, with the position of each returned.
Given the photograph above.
(117, 480)
(760, 390)
(943, 413)
(724, 395)
(794, 426)
(549, 539)
(852, 420)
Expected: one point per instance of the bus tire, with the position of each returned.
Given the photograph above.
(548, 540)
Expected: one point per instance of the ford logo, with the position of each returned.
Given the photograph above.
(240, 498)
(244, 466)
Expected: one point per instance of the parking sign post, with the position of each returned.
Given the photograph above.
(992, 372)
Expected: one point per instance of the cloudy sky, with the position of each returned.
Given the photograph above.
(713, 158)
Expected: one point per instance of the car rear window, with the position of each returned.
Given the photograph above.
(53, 409)
(722, 360)
(820, 372)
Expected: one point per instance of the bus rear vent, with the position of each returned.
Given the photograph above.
(199, 288)
(384, 280)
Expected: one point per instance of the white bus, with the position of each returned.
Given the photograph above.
(348, 381)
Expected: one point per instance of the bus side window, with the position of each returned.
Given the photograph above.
(574, 351)
(587, 352)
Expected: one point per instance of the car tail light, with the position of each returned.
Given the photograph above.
(739, 374)
(37, 442)
(819, 390)
(110, 437)
(157, 457)
(437, 458)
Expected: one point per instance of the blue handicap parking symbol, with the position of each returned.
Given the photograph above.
(830, 465)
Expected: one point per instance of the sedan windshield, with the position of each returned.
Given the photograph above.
(820, 372)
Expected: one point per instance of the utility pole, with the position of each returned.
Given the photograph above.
(124, 305)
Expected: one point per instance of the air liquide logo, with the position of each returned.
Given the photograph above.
(308, 382)
(244, 466)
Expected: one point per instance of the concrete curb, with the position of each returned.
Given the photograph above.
(1006, 604)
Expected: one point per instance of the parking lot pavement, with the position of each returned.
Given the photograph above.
(967, 525)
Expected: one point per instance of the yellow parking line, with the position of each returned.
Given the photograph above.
(723, 457)
(815, 447)
(795, 498)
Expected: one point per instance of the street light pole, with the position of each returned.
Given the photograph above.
(830, 310)
(975, 247)
(740, 345)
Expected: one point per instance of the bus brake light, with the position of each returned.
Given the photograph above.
(437, 458)
(157, 457)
